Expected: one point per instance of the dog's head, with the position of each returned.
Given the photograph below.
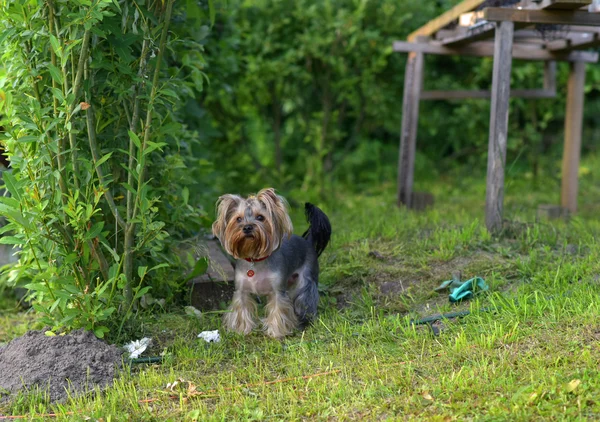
(254, 227)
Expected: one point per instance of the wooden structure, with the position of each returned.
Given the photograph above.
(504, 33)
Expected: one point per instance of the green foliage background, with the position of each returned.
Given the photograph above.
(307, 95)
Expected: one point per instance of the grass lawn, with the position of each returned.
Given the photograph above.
(532, 354)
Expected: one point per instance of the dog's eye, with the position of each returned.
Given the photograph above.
(260, 218)
(239, 219)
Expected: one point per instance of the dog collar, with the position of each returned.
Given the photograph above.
(256, 260)
(250, 272)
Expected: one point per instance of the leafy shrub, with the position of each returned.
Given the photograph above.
(99, 195)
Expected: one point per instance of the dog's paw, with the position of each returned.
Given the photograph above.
(239, 322)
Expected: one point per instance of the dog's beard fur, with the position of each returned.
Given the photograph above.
(256, 246)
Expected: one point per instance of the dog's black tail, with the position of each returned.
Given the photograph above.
(319, 230)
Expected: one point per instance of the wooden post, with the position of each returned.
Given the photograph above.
(413, 83)
(498, 125)
(572, 148)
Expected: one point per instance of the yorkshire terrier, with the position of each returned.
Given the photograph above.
(271, 261)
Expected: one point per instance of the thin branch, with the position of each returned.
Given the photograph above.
(133, 123)
(76, 92)
(91, 129)
(59, 155)
(155, 81)
(130, 232)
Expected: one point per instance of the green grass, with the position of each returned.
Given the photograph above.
(533, 356)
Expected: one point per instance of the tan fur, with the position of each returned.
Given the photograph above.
(226, 205)
(278, 208)
(241, 316)
(281, 319)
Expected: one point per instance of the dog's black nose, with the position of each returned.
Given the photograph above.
(248, 228)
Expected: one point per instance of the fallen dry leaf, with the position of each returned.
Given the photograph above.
(573, 385)
(427, 396)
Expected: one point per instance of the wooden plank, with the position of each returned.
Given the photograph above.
(573, 126)
(550, 77)
(413, 84)
(529, 94)
(486, 49)
(478, 33)
(554, 4)
(555, 17)
(444, 19)
(577, 41)
(494, 201)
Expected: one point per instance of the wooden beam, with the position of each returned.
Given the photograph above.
(478, 33)
(485, 94)
(573, 125)
(494, 201)
(554, 4)
(413, 85)
(576, 41)
(555, 17)
(485, 49)
(444, 19)
(550, 77)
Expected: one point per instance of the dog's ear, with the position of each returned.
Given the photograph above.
(277, 207)
(226, 206)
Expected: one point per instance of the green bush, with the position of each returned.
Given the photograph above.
(308, 93)
(98, 187)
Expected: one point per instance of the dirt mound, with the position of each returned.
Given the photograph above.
(76, 363)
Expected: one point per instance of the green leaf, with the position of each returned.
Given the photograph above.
(58, 94)
(212, 12)
(141, 292)
(55, 73)
(169, 93)
(200, 268)
(12, 240)
(152, 146)
(135, 139)
(156, 267)
(104, 159)
(185, 194)
(28, 139)
(129, 188)
(100, 331)
(12, 185)
(95, 231)
(142, 270)
(112, 251)
(10, 202)
(56, 46)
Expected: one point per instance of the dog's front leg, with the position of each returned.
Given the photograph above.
(281, 319)
(241, 316)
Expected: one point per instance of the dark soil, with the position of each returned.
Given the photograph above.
(61, 365)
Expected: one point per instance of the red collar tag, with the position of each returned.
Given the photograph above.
(250, 272)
